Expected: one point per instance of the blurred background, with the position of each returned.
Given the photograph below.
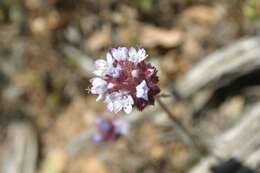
(47, 50)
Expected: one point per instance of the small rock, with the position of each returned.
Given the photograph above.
(153, 36)
(39, 26)
(99, 39)
(233, 107)
(54, 162)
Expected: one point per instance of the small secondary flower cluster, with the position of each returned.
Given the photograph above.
(125, 80)
(111, 129)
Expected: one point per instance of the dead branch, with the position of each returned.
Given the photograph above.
(20, 149)
(242, 141)
(222, 66)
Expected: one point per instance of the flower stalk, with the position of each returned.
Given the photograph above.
(182, 130)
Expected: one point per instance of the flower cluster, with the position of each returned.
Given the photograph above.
(111, 129)
(125, 80)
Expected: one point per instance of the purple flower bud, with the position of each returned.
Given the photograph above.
(111, 129)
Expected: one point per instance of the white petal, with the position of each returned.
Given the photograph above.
(99, 72)
(142, 90)
(111, 97)
(110, 59)
(118, 101)
(97, 90)
(120, 53)
(110, 106)
(128, 102)
(99, 85)
(114, 71)
(128, 109)
(100, 96)
(98, 82)
(117, 106)
(136, 56)
(100, 63)
(141, 54)
(132, 52)
(102, 66)
(114, 102)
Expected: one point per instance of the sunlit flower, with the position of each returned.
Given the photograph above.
(125, 80)
(111, 129)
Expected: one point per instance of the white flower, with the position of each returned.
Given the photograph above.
(103, 66)
(136, 56)
(120, 53)
(114, 71)
(127, 103)
(99, 86)
(124, 80)
(118, 101)
(106, 67)
(114, 106)
(142, 90)
(113, 101)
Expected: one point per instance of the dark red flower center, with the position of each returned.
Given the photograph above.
(131, 75)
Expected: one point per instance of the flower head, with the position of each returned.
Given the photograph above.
(111, 129)
(125, 80)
